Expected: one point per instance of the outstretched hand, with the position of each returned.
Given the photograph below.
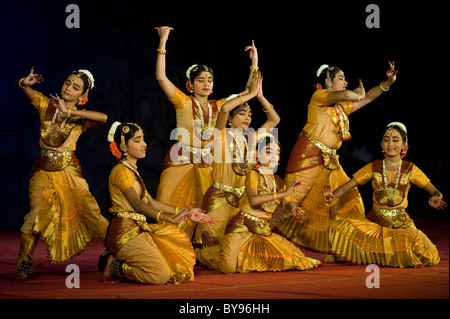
(60, 103)
(32, 78)
(164, 32)
(253, 54)
(360, 90)
(437, 203)
(328, 194)
(198, 215)
(290, 186)
(298, 213)
(391, 73)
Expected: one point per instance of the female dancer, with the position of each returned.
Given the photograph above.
(314, 161)
(231, 159)
(62, 210)
(388, 236)
(187, 167)
(249, 244)
(155, 253)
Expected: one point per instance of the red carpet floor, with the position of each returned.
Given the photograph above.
(329, 281)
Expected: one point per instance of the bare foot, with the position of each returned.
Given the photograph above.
(108, 272)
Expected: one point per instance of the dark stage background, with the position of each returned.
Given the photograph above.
(117, 42)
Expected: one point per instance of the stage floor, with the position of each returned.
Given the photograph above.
(329, 281)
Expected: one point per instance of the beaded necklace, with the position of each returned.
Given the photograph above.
(208, 133)
(391, 190)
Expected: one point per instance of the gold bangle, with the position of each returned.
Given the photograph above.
(269, 109)
(383, 89)
(242, 100)
(20, 83)
(254, 67)
(157, 215)
(176, 211)
(275, 196)
(68, 112)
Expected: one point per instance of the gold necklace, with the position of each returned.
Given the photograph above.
(393, 163)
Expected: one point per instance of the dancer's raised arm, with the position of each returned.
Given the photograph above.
(167, 86)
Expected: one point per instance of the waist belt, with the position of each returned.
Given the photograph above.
(132, 215)
(194, 150)
(322, 146)
(237, 191)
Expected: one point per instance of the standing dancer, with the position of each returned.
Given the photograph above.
(388, 236)
(314, 159)
(187, 167)
(249, 244)
(156, 253)
(62, 210)
(232, 157)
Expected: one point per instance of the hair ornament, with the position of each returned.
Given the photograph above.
(115, 150)
(188, 72)
(89, 75)
(320, 70)
(399, 124)
(112, 131)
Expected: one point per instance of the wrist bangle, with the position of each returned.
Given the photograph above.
(20, 83)
(161, 51)
(359, 96)
(68, 112)
(254, 67)
(157, 215)
(242, 100)
(271, 108)
(383, 89)
(275, 196)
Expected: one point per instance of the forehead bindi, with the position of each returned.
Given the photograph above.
(205, 75)
(75, 80)
(392, 133)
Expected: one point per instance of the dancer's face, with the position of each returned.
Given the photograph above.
(339, 83)
(72, 88)
(269, 156)
(241, 117)
(203, 84)
(136, 146)
(392, 143)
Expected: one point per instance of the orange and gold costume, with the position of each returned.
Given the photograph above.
(388, 236)
(314, 162)
(186, 175)
(62, 210)
(149, 253)
(249, 244)
(221, 200)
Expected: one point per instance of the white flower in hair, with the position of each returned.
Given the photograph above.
(399, 124)
(188, 72)
(112, 131)
(322, 67)
(89, 75)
